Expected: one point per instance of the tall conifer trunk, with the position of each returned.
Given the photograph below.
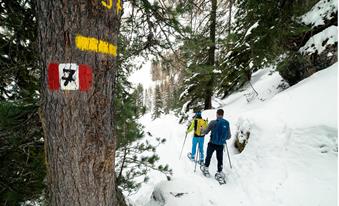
(78, 125)
(211, 56)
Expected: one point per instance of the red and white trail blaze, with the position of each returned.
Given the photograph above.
(69, 76)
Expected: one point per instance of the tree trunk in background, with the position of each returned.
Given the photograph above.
(211, 56)
(78, 125)
(230, 17)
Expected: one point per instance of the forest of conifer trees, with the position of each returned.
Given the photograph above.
(81, 147)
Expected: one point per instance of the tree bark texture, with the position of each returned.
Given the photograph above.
(78, 125)
(230, 3)
(211, 55)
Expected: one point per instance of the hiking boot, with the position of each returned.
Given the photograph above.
(189, 155)
(201, 162)
(220, 177)
(204, 169)
(220, 174)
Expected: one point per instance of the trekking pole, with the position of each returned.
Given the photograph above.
(183, 146)
(229, 159)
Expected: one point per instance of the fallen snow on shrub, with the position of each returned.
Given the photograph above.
(319, 42)
(320, 12)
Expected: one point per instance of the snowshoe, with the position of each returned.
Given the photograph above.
(189, 155)
(220, 177)
(205, 171)
(201, 162)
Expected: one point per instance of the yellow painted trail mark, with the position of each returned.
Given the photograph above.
(119, 8)
(95, 45)
(109, 5)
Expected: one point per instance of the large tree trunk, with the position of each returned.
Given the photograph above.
(211, 56)
(78, 125)
(230, 4)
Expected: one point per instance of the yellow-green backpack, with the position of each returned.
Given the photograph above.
(199, 125)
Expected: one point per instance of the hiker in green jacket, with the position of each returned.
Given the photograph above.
(198, 124)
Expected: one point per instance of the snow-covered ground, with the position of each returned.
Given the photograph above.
(290, 158)
(320, 41)
(320, 12)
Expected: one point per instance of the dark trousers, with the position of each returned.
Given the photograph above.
(210, 149)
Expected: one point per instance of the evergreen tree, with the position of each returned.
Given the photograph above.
(200, 53)
(134, 157)
(261, 34)
(158, 103)
(149, 99)
(19, 87)
(146, 100)
(139, 102)
(79, 125)
(167, 94)
(22, 168)
(21, 153)
(20, 72)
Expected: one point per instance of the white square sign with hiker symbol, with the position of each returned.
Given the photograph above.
(69, 76)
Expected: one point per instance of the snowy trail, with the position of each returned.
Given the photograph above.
(207, 191)
(193, 184)
(290, 159)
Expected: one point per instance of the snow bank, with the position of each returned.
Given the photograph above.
(311, 102)
(266, 82)
(320, 41)
(320, 12)
(243, 130)
(291, 154)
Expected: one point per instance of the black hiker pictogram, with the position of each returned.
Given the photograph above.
(69, 78)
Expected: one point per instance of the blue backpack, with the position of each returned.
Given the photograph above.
(220, 132)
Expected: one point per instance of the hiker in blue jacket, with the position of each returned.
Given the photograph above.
(220, 133)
